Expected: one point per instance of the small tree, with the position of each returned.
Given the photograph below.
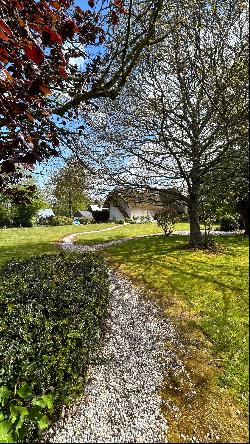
(166, 219)
(68, 189)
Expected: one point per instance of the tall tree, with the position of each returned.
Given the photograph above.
(54, 58)
(184, 113)
(67, 189)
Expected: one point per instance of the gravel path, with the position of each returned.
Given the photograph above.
(121, 403)
(67, 242)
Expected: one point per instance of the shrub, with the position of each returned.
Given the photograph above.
(5, 220)
(57, 221)
(54, 221)
(166, 219)
(44, 220)
(23, 215)
(120, 222)
(229, 223)
(145, 219)
(183, 217)
(86, 221)
(52, 309)
(131, 221)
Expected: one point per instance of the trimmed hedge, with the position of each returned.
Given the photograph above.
(52, 309)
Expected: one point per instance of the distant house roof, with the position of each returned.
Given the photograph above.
(46, 212)
(86, 214)
(147, 199)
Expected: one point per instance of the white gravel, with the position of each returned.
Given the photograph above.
(67, 242)
(121, 403)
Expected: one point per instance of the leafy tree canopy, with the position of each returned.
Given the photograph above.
(67, 189)
(40, 41)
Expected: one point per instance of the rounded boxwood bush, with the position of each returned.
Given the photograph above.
(229, 223)
(53, 309)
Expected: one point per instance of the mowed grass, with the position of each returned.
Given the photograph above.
(212, 287)
(19, 243)
(121, 232)
(128, 230)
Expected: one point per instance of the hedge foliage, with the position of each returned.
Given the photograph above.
(52, 309)
(54, 221)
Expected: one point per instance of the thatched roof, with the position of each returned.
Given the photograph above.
(83, 214)
(146, 199)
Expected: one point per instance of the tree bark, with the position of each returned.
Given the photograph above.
(70, 203)
(193, 209)
(243, 209)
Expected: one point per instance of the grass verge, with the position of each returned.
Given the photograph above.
(130, 230)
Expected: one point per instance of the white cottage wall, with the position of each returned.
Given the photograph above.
(115, 213)
(138, 212)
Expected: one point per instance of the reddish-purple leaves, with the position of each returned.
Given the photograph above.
(34, 53)
(32, 64)
(4, 27)
(54, 37)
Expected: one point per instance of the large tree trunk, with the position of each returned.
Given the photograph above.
(243, 208)
(193, 209)
(70, 203)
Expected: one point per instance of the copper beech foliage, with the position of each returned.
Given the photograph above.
(33, 64)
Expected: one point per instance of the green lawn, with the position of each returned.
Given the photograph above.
(123, 231)
(213, 287)
(18, 243)
(129, 230)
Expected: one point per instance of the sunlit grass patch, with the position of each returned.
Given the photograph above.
(213, 288)
(19, 243)
(205, 294)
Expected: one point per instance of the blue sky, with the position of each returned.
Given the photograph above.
(44, 169)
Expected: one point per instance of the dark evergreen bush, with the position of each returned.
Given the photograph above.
(52, 309)
(229, 223)
(5, 220)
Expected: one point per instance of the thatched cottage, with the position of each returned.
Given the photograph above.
(127, 203)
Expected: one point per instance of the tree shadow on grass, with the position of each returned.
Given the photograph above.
(171, 254)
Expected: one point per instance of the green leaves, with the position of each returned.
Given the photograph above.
(58, 303)
(5, 432)
(4, 395)
(44, 401)
(16, 412)
(43, 422)
(24, 391)
(13, 424)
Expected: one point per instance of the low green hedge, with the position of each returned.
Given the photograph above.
(52, 309)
